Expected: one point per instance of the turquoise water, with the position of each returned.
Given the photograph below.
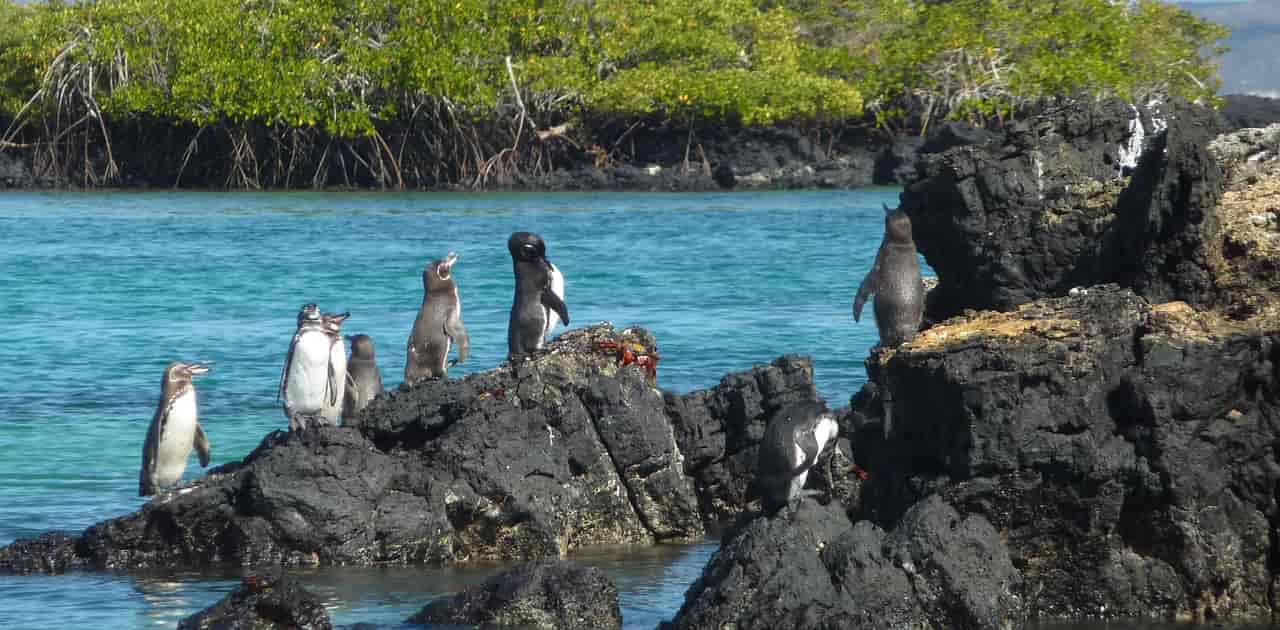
(101, 290)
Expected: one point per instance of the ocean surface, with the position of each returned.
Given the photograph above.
(101, 290)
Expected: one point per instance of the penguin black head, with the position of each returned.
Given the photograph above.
(439, 274)
(361, 347)
(308, 313)
(177, 372)
(527, 247)
(333, 322)
(897, 226)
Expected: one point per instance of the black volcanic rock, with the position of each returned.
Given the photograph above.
(531, 460)
(1051, 206)
(551, 594)
(1125, 450)
(262, 602)
(1243, 111)
(1006, 221)
(52, 552)
(811, 568)
(1159, 243)
(718, 430)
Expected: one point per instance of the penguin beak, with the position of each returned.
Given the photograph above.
(340, 317)
(197, 369)
(445, 268)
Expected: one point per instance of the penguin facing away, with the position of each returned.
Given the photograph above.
(895, 282)
(438, 325)
(312, 382)
(794, 438)
(175, 429)
(364, 380)
(539, 297)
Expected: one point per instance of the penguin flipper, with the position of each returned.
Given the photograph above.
(284, 374)
(457, 331)
(202, 446)
(151, 452)
(556, 304)
(870, 285)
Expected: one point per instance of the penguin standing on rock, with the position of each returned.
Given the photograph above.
(313, 380)
(175, 430)
(895, 281)
(364, 380)
(790, 447)
(331, 412)
(438, 325)
(539, 299)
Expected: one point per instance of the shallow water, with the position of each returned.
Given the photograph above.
(102, 290)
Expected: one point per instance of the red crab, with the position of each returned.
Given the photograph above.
(632, 352)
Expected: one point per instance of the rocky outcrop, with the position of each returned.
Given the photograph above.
(812, 568)
(567, 450)
(1123, 450)
(1159, 243)
(1247, 111)
(1098, 451)
(1245, 261)
(1074, 196)
(719, 429)
(1084, 456)
(550, 594)
(262, 602)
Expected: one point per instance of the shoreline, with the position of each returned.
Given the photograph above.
(720, 159)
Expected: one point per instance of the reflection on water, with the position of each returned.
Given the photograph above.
(651, 583)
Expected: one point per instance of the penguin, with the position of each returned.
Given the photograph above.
(364, 380)
(438, 325)
(795, 436)
(311, 384)
(175, 430)
(331, 411)
(539, 297)
(895, 281)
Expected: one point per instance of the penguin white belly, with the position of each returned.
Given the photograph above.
(309, 373)
(176, 440)
(338, 359)
(557, 287)
(825, 431)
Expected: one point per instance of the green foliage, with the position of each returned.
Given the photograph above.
(981, 58)
(348, 67)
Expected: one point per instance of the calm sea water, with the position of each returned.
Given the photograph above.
(101, 290)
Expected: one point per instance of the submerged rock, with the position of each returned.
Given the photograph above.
(262, 602)
(569, 449)
(551, 594)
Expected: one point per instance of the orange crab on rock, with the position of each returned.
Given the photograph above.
(632, 352)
